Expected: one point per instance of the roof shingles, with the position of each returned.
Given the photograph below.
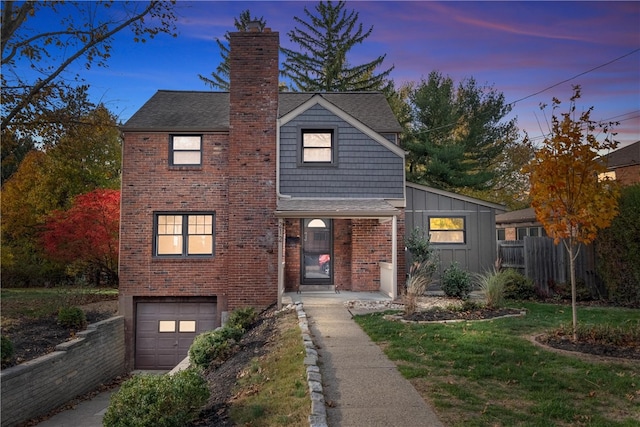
(184, 111)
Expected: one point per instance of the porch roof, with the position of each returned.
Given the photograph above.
(335, 208)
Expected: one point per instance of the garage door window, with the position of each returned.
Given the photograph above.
(184, 235)
(167, 326)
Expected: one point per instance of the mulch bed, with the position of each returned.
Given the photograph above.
(567, 344)
(32, 338)
(439, 315)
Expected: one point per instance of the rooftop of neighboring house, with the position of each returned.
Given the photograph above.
(625, 156)
(522, 215)
(183, 111)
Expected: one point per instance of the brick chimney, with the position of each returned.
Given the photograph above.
(253, 228)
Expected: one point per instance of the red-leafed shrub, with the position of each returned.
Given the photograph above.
(85, 236)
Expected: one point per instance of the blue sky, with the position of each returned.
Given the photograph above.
(520, 48)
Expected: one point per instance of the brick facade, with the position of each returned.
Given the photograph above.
(237, 182)
(359, 245)
(628, 175)
(243, 269)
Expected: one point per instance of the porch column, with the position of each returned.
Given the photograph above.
(394, 256)
(281, 260)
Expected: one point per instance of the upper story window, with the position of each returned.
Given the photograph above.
(184, 235)
(186, 150)
(447, 229)
(318, 146)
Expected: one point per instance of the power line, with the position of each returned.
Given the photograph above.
(576, 76)
(550, 87)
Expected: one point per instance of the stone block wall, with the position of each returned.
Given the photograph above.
(78, 366)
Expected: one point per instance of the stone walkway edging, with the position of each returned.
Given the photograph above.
(318, 417)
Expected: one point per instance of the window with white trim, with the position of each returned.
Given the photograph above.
(318, 146)
(186, 150)
(184, 235)
(447, 229)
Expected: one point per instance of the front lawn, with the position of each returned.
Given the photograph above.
(490, 374)
(42, 302)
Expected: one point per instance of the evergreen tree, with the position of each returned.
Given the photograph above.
(457, 140)
(325, 40)
(220, 78)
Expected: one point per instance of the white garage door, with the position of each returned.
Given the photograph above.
(165, 331)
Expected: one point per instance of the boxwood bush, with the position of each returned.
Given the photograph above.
(217, 345)
(6, 349)
(158, 400)
(456, 282)
(72, 317)
(517, 286)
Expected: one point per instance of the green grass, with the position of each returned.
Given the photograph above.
(42, 302)
(489, 374)
(273, 390)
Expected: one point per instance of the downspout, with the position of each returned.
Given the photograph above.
(281, 229)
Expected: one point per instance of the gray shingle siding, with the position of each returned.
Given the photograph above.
(363, 168)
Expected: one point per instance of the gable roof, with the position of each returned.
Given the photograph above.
(318, 99)
(197, 111)
(625, 156)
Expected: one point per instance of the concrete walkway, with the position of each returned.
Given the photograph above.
(362, 387)
(88, 413)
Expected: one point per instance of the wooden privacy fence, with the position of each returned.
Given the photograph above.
(539, 259)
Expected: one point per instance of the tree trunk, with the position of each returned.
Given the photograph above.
(572, 268)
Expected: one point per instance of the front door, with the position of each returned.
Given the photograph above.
(317, 254)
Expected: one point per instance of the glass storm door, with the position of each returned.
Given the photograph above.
(317, 265)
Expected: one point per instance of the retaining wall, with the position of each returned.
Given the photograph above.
(78, 366)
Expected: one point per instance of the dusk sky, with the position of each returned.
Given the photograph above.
(519, 48)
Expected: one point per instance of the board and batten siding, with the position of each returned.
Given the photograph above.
(478, 253)
(364, 168)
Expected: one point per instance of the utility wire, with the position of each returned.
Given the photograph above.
(550, 87)
(576, 76)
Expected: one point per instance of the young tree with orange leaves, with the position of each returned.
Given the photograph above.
(568, 193)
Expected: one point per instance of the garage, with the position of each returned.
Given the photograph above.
(165, 331)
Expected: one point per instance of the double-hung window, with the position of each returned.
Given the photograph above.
(186, 150)
(447, 229)
(184, 234)
(318, 146)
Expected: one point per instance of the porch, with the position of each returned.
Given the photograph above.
(341, 245)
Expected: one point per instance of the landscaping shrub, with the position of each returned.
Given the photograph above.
(218, 345)
(6, 349)
(419, 246)
(158, 400)
(419, 279)
(456, 282)
(424, 266)
(562, 291)
(626, 334)
(214, 345)
(242, 317)
(618, 250)
(517, 286)
(491, 284)
(72, 317)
